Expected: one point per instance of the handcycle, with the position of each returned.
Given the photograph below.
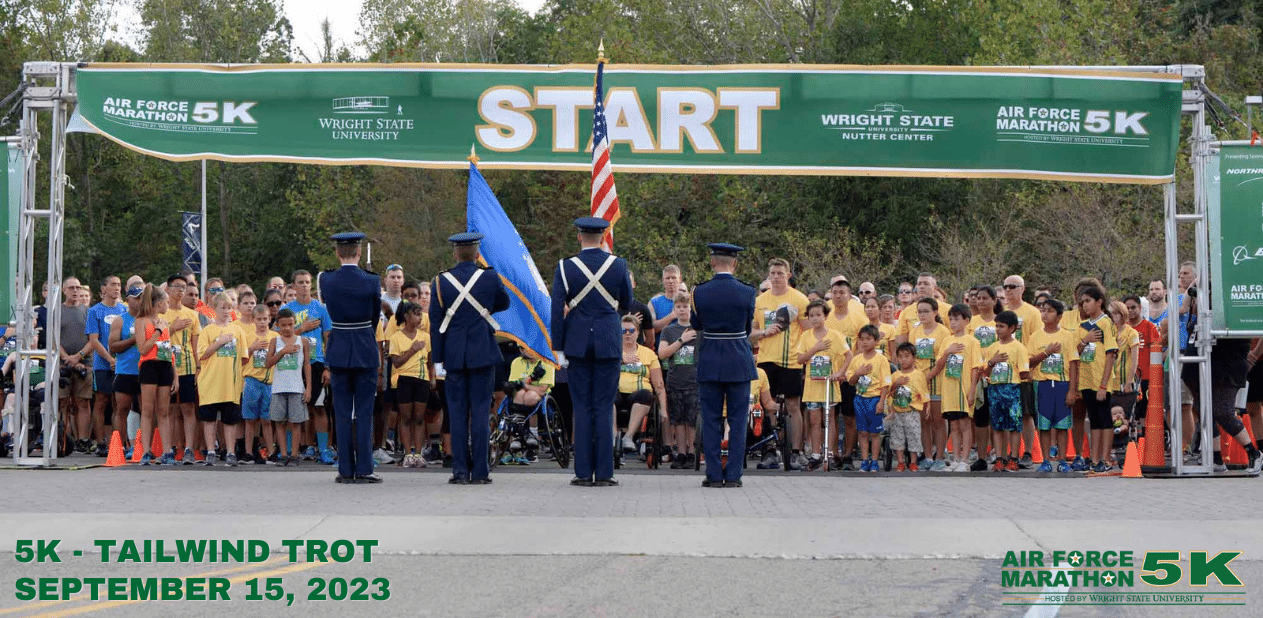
(776, 438)
(510, 426)
(651, 440)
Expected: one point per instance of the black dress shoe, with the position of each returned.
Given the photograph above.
(368, 478)
(486, 481)
(457, 479)
(578, 482)
(732, 484)
(605, 483)
(346, 480)
(708, 483)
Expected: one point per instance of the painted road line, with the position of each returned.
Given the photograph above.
(1050, 599)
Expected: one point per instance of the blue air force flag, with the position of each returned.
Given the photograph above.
(503, 250)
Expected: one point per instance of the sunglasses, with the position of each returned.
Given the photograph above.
(393, 267)
(629, 331)
(275, 303)
(1011, 286)
(905, 291)
(214, 290)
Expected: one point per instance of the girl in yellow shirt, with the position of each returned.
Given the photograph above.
(410, 376)
(823, 353)
(930, 336)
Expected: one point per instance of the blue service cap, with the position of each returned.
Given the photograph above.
(465, 238)
(347, 238)
(591, 225)
(725, 249)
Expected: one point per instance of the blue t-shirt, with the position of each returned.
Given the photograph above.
(662, 307)
(99, 319)
(312, 311)
(1184, 323)
(127, 362)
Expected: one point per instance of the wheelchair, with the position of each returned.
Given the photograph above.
(509, 426)
(651, 438)
(777, 437)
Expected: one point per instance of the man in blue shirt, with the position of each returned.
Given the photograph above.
(314, 325)
(97, 327)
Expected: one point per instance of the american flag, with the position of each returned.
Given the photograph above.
(604, 195)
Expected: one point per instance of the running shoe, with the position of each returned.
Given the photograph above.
(961, 466)
(925, 462)
(327, 457)
(310, 453)
(998, 466)
(210, 459)
(1026, 460)
(382, 457)
(1256, 463)
(1052, 451)
(146, 459)
(521, 460)
(1011, 466)
(1063, 467)
(1079, 465)
(188, 456)
(1045, 467)
(771, 461)
(231, 460)
(938, 465)
(628, 445)
(167, 459)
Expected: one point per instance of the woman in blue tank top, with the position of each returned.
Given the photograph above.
(127, 362)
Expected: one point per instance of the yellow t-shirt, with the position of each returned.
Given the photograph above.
(1070, 319)
(256, 367)
(908, 318)
(1092, 358)
(823, 364)
(633, 377)
(870, 385)
(957, 376)
(886, 345)
(847, 325)
(387, 328)
(1028, 321)
(910, 397)
(1011, 370)
(521, 370)
(1127, 339)
(983, 331)
(929, 347)
(415, 367)
(220, 379)
(779, 348)
(1055, 366)
(185, 355)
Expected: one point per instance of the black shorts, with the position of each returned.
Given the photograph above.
(318, 382)
(624, 401)
(682, 406)
(1099, 416)
(782, 381)
(1027, 390)
(188, 390)
(127, 384)
(982, 414)
(954, 416)
(1254, 394)
(846, 407)
(226, 412)
(103, 381)
(157, 372)
(412, 390)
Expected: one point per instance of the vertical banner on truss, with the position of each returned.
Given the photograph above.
(11, 198)
(192, 250)
(1235, 203)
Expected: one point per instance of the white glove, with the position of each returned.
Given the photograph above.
(439, 372)
(561, 358)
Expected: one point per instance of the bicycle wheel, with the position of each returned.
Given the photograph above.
(697, 445)
(782, 432)
(653, 440)
(887, 455)
(555, 435)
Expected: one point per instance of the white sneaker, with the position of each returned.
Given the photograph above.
(628, 444)
(382, 457)
(960, 467)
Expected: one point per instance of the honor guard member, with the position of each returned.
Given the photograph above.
(463, 336)
(352, 297)
(591, 293)
(724, 309)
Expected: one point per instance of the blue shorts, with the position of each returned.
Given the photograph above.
(256, 400)
(1050, 401)
(867, 420)
(103, 381)
(1006, 406)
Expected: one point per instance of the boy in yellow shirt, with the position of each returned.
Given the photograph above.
(869, 372)
(908, 396)
(1008, 365)
(957, 370)
(256, 395)
(222, 353)
(1054, 368)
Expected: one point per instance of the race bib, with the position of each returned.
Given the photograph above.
(227, 350)
(769, 318)
(311, 348)
(1020, 322)
(1089, 353)
(684, 356)
(164, 351)
(925, 348)
(955, 366)
(903, 397)
(178, 353)
(1002, 373)
(259, 358)
(819, 368)
(1053, 364)
(289, 362)
(985, 336)
(634, 368)
(861, 385)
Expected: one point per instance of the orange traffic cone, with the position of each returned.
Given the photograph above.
(138, 448)
(1037, 453)
(1071, 452)
(1140, 445)
(1131, 465)
(116, 457)
(157, 443)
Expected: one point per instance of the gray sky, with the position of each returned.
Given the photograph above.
(305, 15)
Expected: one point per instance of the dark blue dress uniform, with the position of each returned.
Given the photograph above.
(462, 333)
(352, 296)
(596, 287)
(724, 310)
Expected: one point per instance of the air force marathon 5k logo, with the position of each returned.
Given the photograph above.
(365, 118)
(1113, 577)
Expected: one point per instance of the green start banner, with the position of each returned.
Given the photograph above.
(1236, 237)
(977, 122)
